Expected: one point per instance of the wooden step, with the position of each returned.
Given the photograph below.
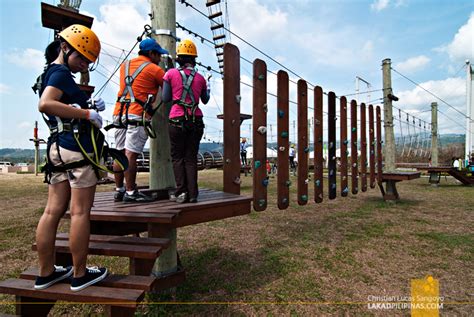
(92, 294)
(215, 15)
(144, 283)
(219, 37)
(217, 26)
(113, 249)
(212, 2)
(160, 242)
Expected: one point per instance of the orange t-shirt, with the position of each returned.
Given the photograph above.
(147, 82)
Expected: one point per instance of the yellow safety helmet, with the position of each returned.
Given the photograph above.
(83, 40)
(293, 146)
(187, 47)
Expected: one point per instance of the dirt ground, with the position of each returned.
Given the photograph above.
(318, 259)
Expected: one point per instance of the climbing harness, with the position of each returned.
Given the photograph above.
(101, 151)
(125, 103)
(186, 122)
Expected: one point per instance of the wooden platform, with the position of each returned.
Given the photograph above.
(119, 218)
(391, 178)
(464, 176)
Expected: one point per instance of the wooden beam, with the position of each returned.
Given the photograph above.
(318, 144)
(231, 119)
(283, 126)
(354, 164)
(259, 172)
(343, 146)
(363, 148)
(371, 146)
(56, 18)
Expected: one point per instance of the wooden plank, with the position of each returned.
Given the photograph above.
(212, 2)
(378, 143)
(217, 26)
(283, 127)
(112, 249)
(303, 148)
(332, 186)
(191, 217)
(143, 217)
(161, 242)
(62, 292)
(215, 15)
(354, 154)
(231, 119)
(400, 176)
(219, 37)
(343, 144)
(372, 146)
(145, 283)
(56, 18)
(363, 148)
(318, 144)
(259, 172)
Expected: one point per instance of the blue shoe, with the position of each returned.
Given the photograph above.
(60, 273)
(92, 276)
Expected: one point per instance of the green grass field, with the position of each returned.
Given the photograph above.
(318, 259)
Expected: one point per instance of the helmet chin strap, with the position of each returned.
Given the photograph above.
(66, 57)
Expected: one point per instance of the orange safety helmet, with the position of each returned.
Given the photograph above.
(83, 40)
(187, 47)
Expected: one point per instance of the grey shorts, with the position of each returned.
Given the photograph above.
(80, 177)
(132, 139)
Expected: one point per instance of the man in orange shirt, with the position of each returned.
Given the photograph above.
(139, 78)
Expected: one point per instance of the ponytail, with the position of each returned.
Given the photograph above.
(52, 51)
(182, 60)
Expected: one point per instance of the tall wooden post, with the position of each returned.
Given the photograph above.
(161, 170)
(389, 146)
(434, 134)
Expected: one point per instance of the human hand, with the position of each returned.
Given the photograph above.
(95, 118)
(97, 104)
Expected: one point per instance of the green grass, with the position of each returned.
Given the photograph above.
(337, 251)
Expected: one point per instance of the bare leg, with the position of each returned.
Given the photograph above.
(81, 203)
(58, 199)
(118, 176)
(131, 173)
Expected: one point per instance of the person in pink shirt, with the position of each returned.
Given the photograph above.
(184, 86)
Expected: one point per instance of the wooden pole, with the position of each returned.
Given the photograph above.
(343, 147)
(389, 146)
(434, 134)
(161, 169)
(163, 14)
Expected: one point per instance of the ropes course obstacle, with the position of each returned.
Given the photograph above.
(232, 99)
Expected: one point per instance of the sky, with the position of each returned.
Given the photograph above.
(328, 43)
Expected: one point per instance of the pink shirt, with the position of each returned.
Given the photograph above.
(173, 77)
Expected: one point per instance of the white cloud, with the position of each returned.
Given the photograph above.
(379, 5)
(5, 89)
(25, 125)
(258, 22)
(462, 46)
(28, 59)
(452, 90)
(413, 64)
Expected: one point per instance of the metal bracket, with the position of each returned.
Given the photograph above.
(166, 32)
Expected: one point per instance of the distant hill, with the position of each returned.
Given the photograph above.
(27, 155)
(19, 155)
